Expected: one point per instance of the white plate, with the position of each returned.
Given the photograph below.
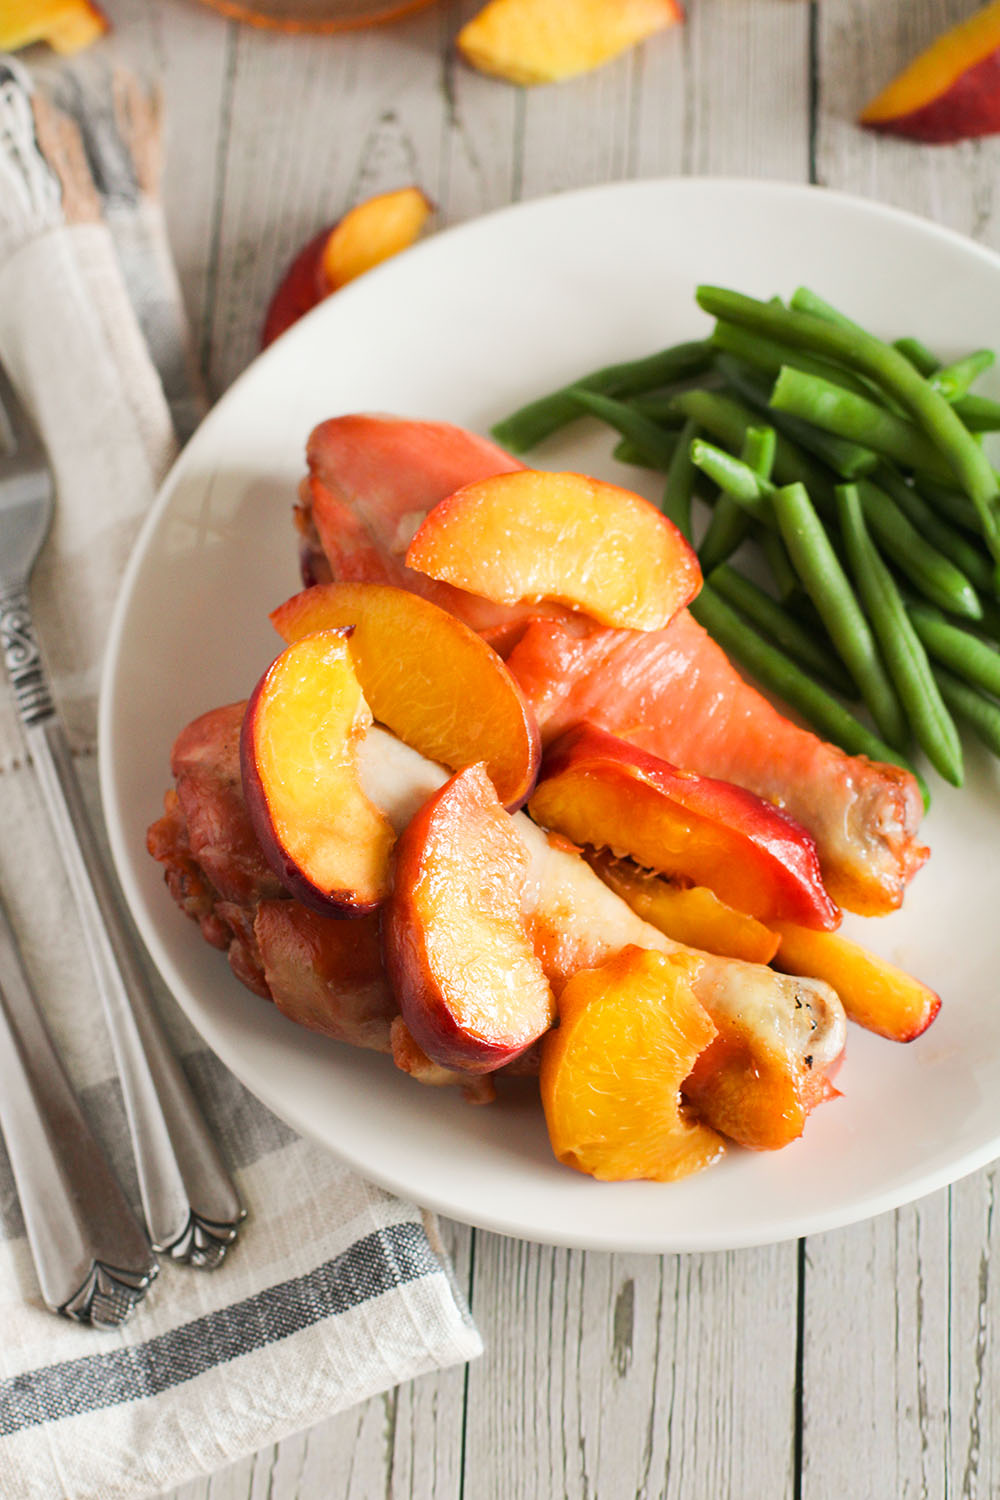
(464, 328)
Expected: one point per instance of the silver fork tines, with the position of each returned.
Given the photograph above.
(188, 1197)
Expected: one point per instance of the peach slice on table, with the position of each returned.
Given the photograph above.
(67, 25)
(541, 41)
(951, 91)
(692, 915)
(599, 790)
(874, 992)
(530, 535)
(368, 234)
(327, 843)
(428, 678)
(611, 1073)
(469, 987)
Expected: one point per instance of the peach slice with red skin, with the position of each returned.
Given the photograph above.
(951, 92)
(327, 843)
(428, 678)
(368, 234)
(469, 987)
(611, 1073)
(541, 41)
(528, 535)
(599, 790)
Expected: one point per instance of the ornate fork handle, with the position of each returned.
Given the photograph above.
(93, 1261)
(191, 1206)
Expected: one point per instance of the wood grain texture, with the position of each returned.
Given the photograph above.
(631, 1376)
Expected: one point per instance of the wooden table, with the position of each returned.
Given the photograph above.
(860, 1365)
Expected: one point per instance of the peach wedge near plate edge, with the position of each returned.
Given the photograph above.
(874, 992)
(428, 678)
(459, 959)
(532, 535)
(599, 790)
(368, 234)
(321, 835)
(611, 1073)
(541, 41)
(951, 92)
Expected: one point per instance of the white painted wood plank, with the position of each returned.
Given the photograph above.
(624, 1376)
(727, 95)
(316, 124)
(974, 1460)
(863, 44)
(875, 1366)
(187, 50)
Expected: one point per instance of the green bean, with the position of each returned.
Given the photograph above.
(676, 503)
(779, 674)
(867, 355)
(955, 379)
(963, 652)
(627, 453)
(768, 356)
(735, 478)
(952, 505)
(826, 583)
(777, 625)
(920, 357)
(659, 405)
(657, 445)
(839, 453)
(730, 523)
(759, 448)
(967, 557)
(854, 417)
(979, 413)
(527, 426)
(981, 715)
(901, 647)
(927, 568)
(784, 576)
(727, 420)
(804, 300)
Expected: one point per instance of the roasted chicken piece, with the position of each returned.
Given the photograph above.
(372, 479)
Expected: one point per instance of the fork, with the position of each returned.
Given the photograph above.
(191, 1206)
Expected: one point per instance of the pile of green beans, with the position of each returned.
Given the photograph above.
(856, 471)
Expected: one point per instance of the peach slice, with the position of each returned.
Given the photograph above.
(540, 41)
(951, 91)
(600, 790)
(368, 234)
(325, 840)
(531, 535)
(611, 1073)
(470, 989)
(67, 25)
(692, 915)
(874, 992)
(428, 678)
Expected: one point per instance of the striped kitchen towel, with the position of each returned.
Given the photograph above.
(335, 1290)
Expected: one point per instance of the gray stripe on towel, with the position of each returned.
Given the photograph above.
(374, 1265)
